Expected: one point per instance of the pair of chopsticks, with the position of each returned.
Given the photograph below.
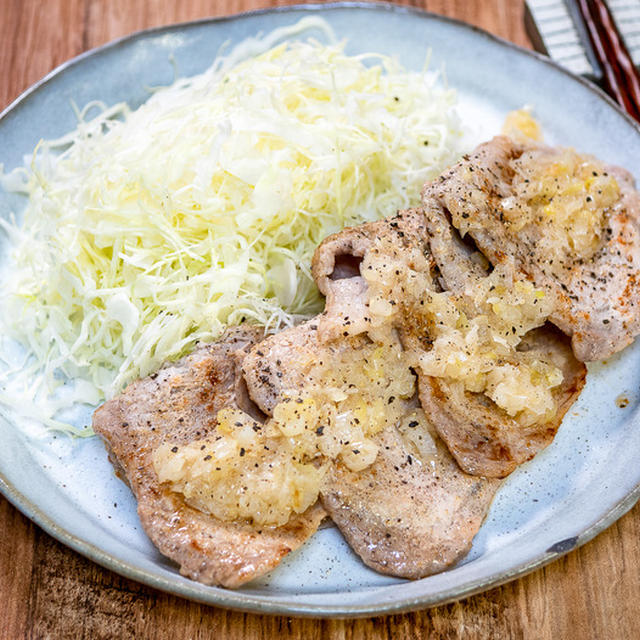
(620, 76)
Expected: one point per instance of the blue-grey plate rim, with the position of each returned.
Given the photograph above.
(236, 599)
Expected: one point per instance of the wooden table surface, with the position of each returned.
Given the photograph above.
(48, 591)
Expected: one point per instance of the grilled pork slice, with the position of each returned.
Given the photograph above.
(412, 512)
(179, 405)
(485, 440)
(570, 224)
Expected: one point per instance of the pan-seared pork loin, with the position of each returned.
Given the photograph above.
(569, 223)
(178, 405)
(484, 439)
(413, 512)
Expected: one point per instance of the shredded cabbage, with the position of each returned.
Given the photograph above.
(149, 230)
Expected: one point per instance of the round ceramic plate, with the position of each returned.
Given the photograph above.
(586, 479)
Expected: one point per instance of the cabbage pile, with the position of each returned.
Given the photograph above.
(149, 230)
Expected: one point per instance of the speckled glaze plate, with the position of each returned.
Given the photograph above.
(584, 481)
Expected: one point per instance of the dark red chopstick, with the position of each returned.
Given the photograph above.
(621, 78)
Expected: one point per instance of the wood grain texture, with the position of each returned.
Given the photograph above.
(48, 591)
